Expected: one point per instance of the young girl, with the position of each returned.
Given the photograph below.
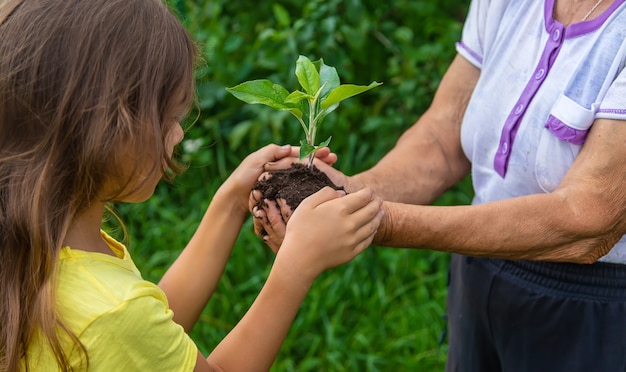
(91, 95)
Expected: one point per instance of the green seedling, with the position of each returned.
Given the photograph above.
(320, 89)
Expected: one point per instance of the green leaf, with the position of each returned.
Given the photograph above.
(297, 96)
(308, 76)
(345, 91)
(305, 149)
(324, 112)
(329, 79)
(296, 112)
(262, 92)
(324, 144)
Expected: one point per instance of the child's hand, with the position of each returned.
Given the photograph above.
(270, 219)
(241, 181)
(328, 230)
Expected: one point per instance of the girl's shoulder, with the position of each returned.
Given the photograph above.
(122, 320)
(91, 284)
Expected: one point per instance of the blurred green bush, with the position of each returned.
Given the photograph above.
(382, 312)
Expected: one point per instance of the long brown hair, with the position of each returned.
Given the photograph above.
(80, 81)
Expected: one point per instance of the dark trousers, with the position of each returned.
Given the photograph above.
(536, 316)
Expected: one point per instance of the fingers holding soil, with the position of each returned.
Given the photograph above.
(367, 215)
(293, 184)
(253, 201)
(260, 221)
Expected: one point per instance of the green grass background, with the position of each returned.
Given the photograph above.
(385, 310)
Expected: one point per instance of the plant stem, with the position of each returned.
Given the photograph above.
(303, 124)
(312, 124)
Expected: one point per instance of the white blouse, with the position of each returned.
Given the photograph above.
(541, 87)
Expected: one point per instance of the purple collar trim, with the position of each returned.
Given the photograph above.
(580, 28)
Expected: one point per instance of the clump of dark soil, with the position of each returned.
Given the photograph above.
(294, 184)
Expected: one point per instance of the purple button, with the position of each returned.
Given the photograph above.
(505, 148)
(519, 108)
(540, 74)
(556, 35)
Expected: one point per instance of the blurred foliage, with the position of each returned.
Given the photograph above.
(405, 44)
(385, 310)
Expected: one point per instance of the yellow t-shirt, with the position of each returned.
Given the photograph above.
(123, 321)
